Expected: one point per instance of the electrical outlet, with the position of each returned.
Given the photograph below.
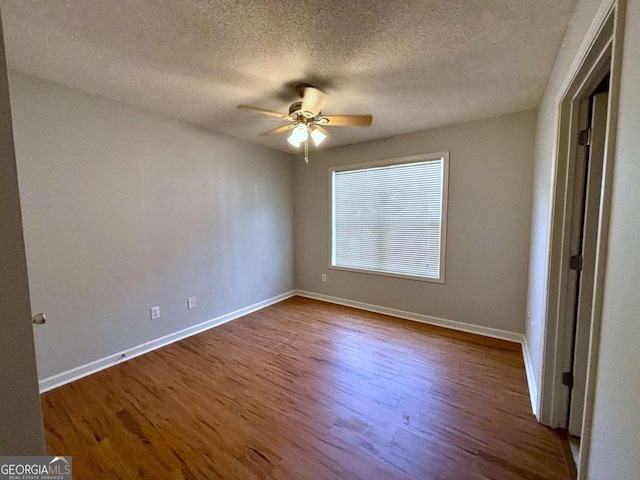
(191, 303)
(155, 313)
(324, 277)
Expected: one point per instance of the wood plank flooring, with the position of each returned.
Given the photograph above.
(308, 390)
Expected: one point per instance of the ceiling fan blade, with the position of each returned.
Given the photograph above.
(262, 111)
(281, 129)
(312, 102)
(347, 120)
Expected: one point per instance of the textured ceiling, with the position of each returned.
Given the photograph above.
(414, 65)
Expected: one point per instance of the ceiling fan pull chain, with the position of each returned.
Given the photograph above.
(306, 150)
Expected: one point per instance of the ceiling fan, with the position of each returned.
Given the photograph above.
(307, 120)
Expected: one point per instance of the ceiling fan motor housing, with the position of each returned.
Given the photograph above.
(295, 107)
(300, 88)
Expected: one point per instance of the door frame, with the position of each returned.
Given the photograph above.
(600, 51)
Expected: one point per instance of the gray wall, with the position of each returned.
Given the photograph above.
(124, 210)
(615, 437)
(616, 422)
(488, 231)
(21, 431)
(545, 152)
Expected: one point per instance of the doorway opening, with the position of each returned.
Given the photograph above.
(579, 228)
(583, 236)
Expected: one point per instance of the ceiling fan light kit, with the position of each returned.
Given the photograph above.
(302, 132)
(307, 119)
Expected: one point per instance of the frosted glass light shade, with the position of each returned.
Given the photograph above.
(317, 136)
(293, 140)
(298, 135)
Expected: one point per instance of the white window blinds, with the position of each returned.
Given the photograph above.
(389, 219)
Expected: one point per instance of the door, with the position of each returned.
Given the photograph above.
(21, 431)
(584, 260)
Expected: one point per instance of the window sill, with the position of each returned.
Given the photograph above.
(386, 274)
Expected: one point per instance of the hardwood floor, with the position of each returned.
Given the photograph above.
(308, 390)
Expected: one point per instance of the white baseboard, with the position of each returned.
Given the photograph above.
(68, 376)
(531, 379)
(63, 378)
(418, 317)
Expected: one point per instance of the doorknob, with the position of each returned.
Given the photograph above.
(39, 318)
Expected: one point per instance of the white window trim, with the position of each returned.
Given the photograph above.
(445, 205)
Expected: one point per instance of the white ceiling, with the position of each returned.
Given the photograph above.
(414, 65)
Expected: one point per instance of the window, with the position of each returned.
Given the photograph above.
(389, 217)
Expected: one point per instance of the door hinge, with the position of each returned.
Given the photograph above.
(584, 137)
(575, 263)
(567, 379)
